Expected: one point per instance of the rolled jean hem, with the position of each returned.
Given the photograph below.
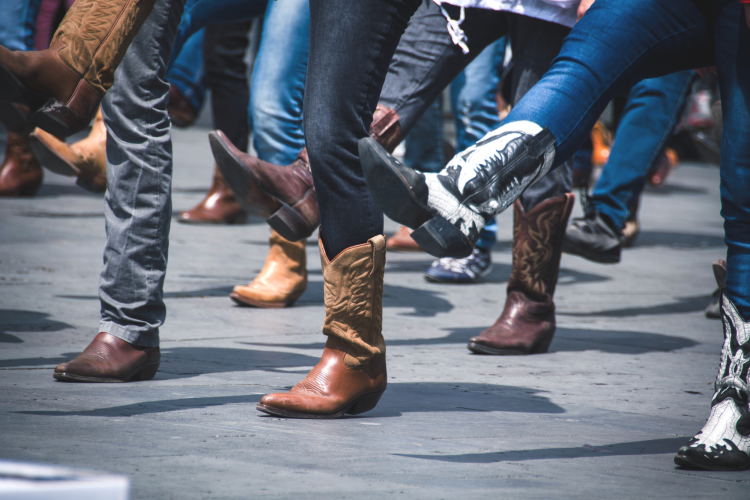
(121, 332)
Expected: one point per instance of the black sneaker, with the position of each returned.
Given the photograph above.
(593, 239)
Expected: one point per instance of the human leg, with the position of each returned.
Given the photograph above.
(137, 211)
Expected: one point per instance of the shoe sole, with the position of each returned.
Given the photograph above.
(12, 90)
(142, 373)
(392, 190)
(688, 463)
(540, 348)
(50, 160)
(611, 256)
(245, 302)
(360, 405)
(285, 220)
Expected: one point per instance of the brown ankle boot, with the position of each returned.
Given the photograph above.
(181, 112)
(110, 359)
(283, 277)
(85, 159)
(291, 186)
(218, 207)
(351, 375)
(527, 323)
(20, 173)
(64, 84)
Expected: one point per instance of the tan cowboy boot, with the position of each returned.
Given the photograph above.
(85, 159)
(63, 85)
(527, 323)
(283, 278)
(218, 207)
(351, 375)
(20, 172)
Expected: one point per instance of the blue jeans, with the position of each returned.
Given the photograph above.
(424, 144)
(653, 108)
(137, 206)
(17, 23)
(187, 72)
(278, 81)
(653, 38)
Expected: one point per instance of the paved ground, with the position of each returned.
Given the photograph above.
(627, 381)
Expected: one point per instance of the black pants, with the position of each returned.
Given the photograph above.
(351, 45)
(224, 47)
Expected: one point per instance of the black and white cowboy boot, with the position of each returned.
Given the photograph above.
(724, 442)
(448, 210)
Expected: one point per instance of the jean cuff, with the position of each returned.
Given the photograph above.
(135, 338)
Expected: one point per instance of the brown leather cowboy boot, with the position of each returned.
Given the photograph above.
(527, 323)
(181, 112)
(110, 359)
(283, 277)
(218, 207)
(351, 375)
(64, 84)
(20, 173)
(85, 159)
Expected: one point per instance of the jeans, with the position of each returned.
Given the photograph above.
(424, 144)
(653, 108)
(426, 61)
(137, 206)
(187, 72)
(278, 81)
(18, 23)
(347, 67)
(653, 38)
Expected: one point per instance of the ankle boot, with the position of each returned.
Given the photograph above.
(85, 159)
(527, 323)
(218, 207)
(20, 173)
(283, 277)
(110, 359)
(448, 210)
(724, 442)
(64, 84)
(351, 375)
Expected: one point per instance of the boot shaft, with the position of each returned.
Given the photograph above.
(537, 246)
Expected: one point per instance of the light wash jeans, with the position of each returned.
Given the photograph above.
(137, 206)
(17, 23)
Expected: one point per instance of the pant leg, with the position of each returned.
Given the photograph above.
(733, 65)
(347, 66)
(601, 58)
(18, 23)
(278, 82)
(188, 73)
(424, 144)
(535, 44)
(137, 206)
(653, 108)
(226, 75)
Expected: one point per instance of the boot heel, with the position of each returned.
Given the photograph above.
(365, 403)
(58, 119)
(147, 372)
(440, 238)
(289, 222)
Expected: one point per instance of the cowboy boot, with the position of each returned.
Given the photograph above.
(527, 323)
(20, 173)
(110, 359)
(85, 159)
(724, 442)
(283, 277)
(64, 84)
(448, 210)
(351, 375)
(218, 207)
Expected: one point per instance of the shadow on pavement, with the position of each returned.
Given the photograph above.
(19, 320)
(566, 339)
(683, 305)
(648, 447)
(678, 240)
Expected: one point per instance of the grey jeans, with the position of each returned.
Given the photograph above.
(426, 61)
(137, 206)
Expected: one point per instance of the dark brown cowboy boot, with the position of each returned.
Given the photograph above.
(527, 323)
(110, 359)
(351, 375)
(218, 207)
(63, 85)
(20, 174)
